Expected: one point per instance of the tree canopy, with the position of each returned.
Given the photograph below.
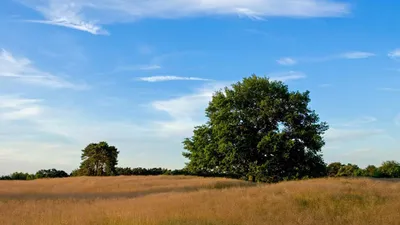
(50, 173)
(258, 129)
(99, 159)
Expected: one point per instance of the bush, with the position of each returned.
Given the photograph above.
(333, 169)
(51, 173)
(140, 171)
(371, 171)
(349, 170)
(21, 176)
(390, 169)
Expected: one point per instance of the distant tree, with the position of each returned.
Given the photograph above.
(349, 170)
(123, 171)
(99, 159)
(390, 169)
(75, 173)
(8, 177)
(20, 176)
(30, 177)
(333, 169)
(177, 172)
(140, 171)
(50, 173)
(258, 129)
(371, 171)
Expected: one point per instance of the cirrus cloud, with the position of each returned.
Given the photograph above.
(395, 54)
(170, 78)
(88, 15)
(286, 61)
(23, 70)
(287, 76)
(357, 55)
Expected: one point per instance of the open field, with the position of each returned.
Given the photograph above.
(204, 201)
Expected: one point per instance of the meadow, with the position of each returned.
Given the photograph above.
(186, 200)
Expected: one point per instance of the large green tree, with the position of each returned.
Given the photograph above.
(99, 159)
(260, 130)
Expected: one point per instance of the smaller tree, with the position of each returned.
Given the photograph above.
(50, 173)
(371, 171)
(333, 169)
(20, 176)
(349, 170)
(8, 177)
(390, 169)
(30, 177)
(75, 173)
(99, 159)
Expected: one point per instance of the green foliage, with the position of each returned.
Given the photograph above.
(260, 130)
(349, 170)
(372, 171)
(140, 171)
(333, 169)
(390, 169)
(50, 173)
(8, 177)
(75, 173)
(30, 177)
(99, 159)
(20, 176)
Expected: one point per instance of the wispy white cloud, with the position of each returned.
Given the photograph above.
(286, 61)
(359, 121)
(13, 107)
(389, 89)
(351, 55)
(145, 49)
(171, 78)
(287, 76)
(89, 14)
(137, 68)
(345, 55)
(395, 54)
(22, 69)
(356, 55)
(342, 135)
(78, 25)
(186, 111)
(397, 120)
(66, 14)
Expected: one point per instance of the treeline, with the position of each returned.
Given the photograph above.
(388, 169)
(127, 171)
(49, 173)
(139, 171)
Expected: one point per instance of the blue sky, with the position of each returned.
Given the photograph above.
(139, 73)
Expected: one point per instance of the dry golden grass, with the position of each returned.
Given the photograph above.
(204, 201)
(108, 187)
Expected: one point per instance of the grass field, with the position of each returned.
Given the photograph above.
(203, 201)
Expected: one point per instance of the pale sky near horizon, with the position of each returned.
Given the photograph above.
(139, 74)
